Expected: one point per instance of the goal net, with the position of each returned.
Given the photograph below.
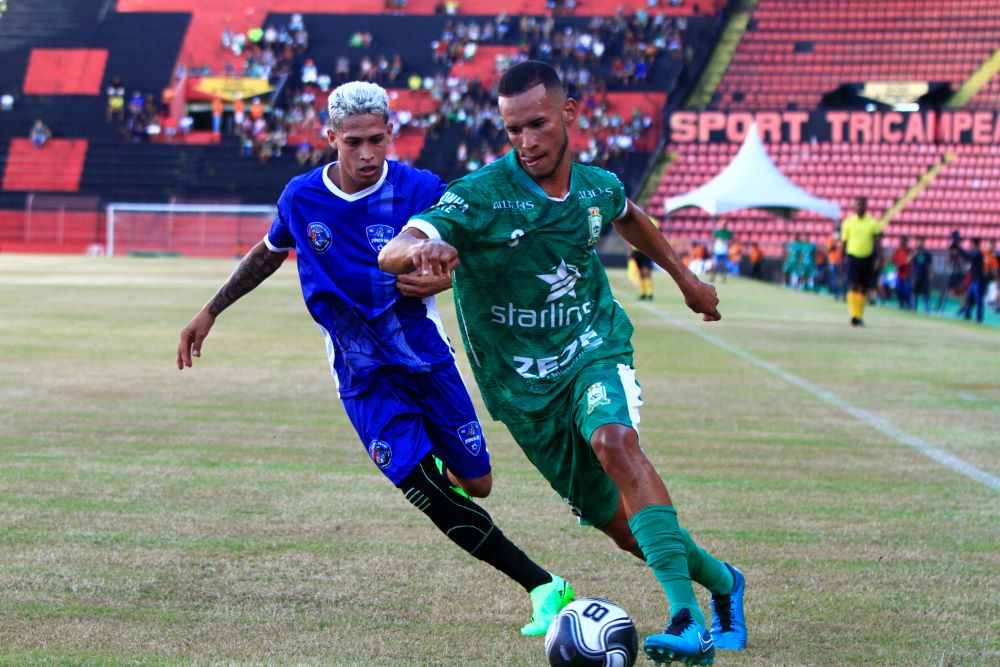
(205, 230)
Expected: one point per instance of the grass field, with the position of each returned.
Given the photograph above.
(227, 514)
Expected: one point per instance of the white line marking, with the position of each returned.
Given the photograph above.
(879, 424)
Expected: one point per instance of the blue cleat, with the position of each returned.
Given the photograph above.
(683, 640)
(729, 625)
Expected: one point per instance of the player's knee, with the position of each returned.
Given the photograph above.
(615, 445)
(478, 487)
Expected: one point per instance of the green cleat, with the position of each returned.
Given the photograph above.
(457, 489)
(547, 601)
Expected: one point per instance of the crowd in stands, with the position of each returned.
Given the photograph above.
(610, 53)
(613, 52)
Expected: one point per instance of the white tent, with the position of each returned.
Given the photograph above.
(752, 181)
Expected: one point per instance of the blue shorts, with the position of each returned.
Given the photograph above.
(403, 416)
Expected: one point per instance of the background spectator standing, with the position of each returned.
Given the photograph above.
(39, 133)
(115, 93)
(922, 264)
(976, 290)
(901, 258)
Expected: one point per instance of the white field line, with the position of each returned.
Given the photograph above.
(935, 453)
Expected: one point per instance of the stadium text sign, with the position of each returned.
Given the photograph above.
(855, 127)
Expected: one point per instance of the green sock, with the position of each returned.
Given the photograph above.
(660, 538)
(706, 569)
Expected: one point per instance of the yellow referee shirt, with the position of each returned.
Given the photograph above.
(858, 234)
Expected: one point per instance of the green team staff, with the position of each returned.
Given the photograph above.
(551, 350)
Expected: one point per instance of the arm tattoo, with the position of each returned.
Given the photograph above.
(252, 271)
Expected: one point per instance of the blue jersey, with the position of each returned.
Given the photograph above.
(370, 328)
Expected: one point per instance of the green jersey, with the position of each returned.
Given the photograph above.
(532, 298)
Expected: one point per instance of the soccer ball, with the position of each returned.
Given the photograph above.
(592, 632)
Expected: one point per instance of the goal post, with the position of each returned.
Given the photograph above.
(205, 230)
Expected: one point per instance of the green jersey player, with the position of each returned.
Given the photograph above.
(551, 349)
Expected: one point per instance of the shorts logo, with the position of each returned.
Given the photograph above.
(596, 223)
(471, 436)
(320, 237)
(597, 395)
(381, 453)
(379, 235)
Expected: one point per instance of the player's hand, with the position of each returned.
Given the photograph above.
(191, 338)
(422, 286)
(702, 298)
(434, 257)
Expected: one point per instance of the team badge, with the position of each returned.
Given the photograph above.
(379, 235)
(381, 453)
(320, 237)
(597, 395)
(471, 436)
(596, 224)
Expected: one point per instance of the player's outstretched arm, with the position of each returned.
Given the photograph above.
(412, 251)
(258, 264)
(636, 228)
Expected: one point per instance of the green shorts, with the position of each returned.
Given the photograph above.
(559, 446)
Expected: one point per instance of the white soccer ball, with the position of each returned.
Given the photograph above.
(592, 632)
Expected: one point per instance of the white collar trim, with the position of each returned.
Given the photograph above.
(360, 194)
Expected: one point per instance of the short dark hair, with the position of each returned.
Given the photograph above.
(524, 76)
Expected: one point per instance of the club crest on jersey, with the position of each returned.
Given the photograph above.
(471, 436)
(320, 237)
(597, 395)
(381, 453)
(379, 235)
(596, 223)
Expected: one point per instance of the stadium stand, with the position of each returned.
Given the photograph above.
(65, 56)
(798, 58)
(794, 52)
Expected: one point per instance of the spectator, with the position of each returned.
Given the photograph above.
(39, 133)
(901, 258)
(756, 256)
(976, 291)
(309, 72)
(217, 109)
(922, 265)
(115, 93)
(721, 238)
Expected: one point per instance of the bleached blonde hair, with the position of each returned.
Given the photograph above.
(357, 98)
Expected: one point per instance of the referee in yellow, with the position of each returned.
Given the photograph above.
(858, 232)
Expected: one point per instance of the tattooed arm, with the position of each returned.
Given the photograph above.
(259, 263)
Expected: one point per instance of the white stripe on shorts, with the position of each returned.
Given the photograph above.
(626, 374)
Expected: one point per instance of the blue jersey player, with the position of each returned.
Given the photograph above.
(394, 367)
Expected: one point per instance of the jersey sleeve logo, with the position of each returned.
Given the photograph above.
(320, 237)
(379, 235)
(562, 281)
(596, 224)
(471, 436)
(597, 395)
